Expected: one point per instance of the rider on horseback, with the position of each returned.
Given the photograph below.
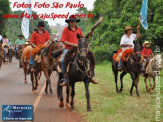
(147, 53)
(5, 46)
(127, 41)
(18, 42)
(69, 39)
(38, 37)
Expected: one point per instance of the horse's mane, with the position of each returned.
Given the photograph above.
(73, 51)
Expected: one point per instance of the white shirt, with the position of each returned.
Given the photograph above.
(127, 40)
(0, 37)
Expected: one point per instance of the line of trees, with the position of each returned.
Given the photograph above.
(117, 15)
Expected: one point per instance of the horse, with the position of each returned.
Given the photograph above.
(19, 54)
(80, 63)
(48, 64)
(152, 70)
(1, 54)
(11, 53)
(25, 60)
(132, 66)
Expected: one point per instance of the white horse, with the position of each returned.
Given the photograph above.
(153, 69)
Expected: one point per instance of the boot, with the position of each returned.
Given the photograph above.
(93, 81)
(29, 69)
(65, 83)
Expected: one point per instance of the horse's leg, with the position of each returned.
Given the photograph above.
(32, 80)
(146, 86)
(121, 78)
(150, 89)
(36, 80)
(49, 82)
(59, 91)
(25, 70)
(46, 87)
(72, 96)
(87, 95)
(67, 97)
(154, 83)
(116, 79)
(134, 78)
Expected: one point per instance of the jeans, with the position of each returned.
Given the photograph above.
(62, 62)
(144, 63)
(31, 60)
(120, 61)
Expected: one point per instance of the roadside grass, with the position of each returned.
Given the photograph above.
(108, 106)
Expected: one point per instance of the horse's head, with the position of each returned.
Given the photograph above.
(137, 51)
(82, 47)
(158, 58)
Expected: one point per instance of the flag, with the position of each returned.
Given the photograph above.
(25, 22)
(143, 14)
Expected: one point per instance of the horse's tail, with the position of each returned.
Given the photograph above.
(59, 88)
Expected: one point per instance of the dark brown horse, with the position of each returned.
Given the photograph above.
(80, 63)
(19, 55)
(48, 64)
(1, 54)
(132, 66)
(11, 53)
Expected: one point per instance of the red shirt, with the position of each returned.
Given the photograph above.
(146, 51)
(39, 39)
(71, 36)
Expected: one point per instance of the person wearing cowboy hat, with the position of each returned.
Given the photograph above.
(69, 39)
(18, 42)
(127, 41)
(40, 36)
(146, 53)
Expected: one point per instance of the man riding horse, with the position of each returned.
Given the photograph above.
(20, 41)
(5, 45)
(127, 41)
(69, 39)
(39, 37)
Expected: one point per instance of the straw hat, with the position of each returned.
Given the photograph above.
(146, 42)
(27, 41)
(128, 28)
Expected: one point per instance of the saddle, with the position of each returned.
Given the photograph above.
(125, 55)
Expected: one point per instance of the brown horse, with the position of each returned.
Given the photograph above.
(11, 53)
(153, 68)
(48, 64)
(19, 54)
(25, 60)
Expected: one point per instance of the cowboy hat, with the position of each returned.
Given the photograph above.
(41, 24)
(72, 18)
(20, 35)
(146, 42)
(128, 28)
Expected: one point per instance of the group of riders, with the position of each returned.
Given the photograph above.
(69, 38)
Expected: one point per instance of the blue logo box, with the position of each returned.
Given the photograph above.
(17, 112)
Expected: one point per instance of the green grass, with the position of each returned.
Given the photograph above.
(108, 106)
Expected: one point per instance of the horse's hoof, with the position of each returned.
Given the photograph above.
(34, 91)
(61, 104)
(46, 92)
(39, 83)
(139, 97)
(131, 95)
(35, 87)
(120, 91)
(25, 82)
(72, 108)
(151, 92)
(51, 92)
(68, 106)
(89, 110)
